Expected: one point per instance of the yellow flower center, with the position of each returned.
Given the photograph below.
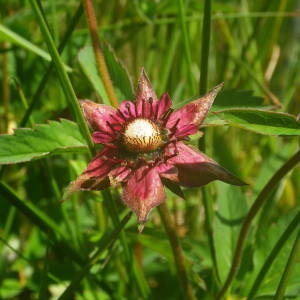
(142, 135)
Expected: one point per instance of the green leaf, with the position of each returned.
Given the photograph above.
(230, 99)
(232, 208)
(154, 240)
(234, 99)
(8, 35)
(87, 62)
(261, 121)
(43, 140)
(117, 72)
(268, 246)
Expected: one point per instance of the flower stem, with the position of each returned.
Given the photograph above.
(207, 200)
(261, 198)
(186, 43)
(177, 251)
(100, 61)
(293, 258)
(62, 74)
(205, 43)
(37, 95)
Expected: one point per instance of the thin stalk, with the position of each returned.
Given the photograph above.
(273, 254)
(45, 165)
(105, 243)
(63, 76)
(40, 219)
(43, 282)
(5, 90)
(186, 44)
(292, 260)
(37, 95)
(131, 264)
(205, 44)
(260, 200)
(177, 252)
(207, 199)
(100, 60)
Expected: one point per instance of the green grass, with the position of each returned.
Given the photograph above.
(229, 242)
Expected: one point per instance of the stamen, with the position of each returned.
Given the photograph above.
(165, 117)
(135, 109)
(143, 102)
(141, 135)
(155, 114)
(175, 124)
(110, 126)
(127, 105)
(114, 118)
(151, 107)
(122, 115)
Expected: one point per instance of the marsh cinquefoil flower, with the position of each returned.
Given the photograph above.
(144, 148)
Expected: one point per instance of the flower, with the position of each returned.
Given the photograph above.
(144, 148)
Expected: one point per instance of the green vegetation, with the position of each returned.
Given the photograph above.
(221, 241)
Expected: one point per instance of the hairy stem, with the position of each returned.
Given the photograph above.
(205, 43)
(37, 95)
(62, 74)
(100, 61)
(177, 251)
(207, 199)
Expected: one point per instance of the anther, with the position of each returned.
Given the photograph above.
(141, 135)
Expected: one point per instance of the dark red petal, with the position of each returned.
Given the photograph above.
(186, 130)
(143, 191)
(119, 174)
(95, 177)
(99, 116)
(103, 137)
(193, 112)
(163, 104)
(196, 169)
(128, 109)
(165, 168)
(144, 89)
(145, 109)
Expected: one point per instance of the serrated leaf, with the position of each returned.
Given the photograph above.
(43, 140)
(234, 99)
(117, 72)
(230, 99)
(261, 121)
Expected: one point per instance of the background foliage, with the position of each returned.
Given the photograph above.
(88, 247)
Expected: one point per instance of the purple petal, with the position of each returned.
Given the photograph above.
(145, 108)
(196, 169)
(163, 104)
(143, 191)
(103, 137)
(95, 177)
(119, 174)
(100, 116)
(144, 89)
(186, 130)
(128, 109)
(193, 112)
